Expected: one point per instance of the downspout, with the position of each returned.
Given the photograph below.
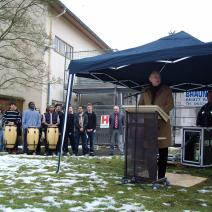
(49, 55)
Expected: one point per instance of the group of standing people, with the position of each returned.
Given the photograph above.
(80, 125)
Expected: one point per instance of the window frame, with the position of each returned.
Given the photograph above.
(57, 48)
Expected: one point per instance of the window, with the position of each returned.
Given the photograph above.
(69, 51)
(63, 48)
(56, 44)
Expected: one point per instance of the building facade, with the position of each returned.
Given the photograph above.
(67, 35)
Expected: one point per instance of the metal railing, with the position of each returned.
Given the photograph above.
(179, 119)
(102, 135)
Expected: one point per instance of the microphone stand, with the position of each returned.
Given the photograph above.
(135, 95)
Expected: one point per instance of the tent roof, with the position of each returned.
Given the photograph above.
(126, 64)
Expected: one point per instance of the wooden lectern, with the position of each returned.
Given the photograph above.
(141, 139)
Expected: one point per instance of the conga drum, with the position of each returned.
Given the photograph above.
(10, 135)
(32, 138)
(52, 137)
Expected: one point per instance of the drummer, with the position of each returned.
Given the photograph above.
(50, 118)
(13, 116)
(31, 118)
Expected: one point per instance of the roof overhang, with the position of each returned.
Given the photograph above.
(82, 27)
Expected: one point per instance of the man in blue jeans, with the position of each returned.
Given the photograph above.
(1, 131)
(31, 118)
(81, 126)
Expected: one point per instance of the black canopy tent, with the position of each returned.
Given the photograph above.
(184, 61)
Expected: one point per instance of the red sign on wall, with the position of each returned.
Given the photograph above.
(104, 122)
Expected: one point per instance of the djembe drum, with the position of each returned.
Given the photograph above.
(10, 135)
(32, 138)
(52, 137)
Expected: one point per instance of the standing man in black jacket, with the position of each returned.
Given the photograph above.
(51, 118)
(91, 127)
(81, 126)
(204, 117)
(70, 130)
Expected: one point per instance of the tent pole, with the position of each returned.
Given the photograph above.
(175, 117)
(115, 95)
(68, 99)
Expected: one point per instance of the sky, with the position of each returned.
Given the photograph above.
(124, 24)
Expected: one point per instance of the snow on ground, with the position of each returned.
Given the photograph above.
(29, 177)
(52, 202)
(9, 209)
(107, 203)
(204, 205)
(167, 204)
(203, 191)
(32, 182)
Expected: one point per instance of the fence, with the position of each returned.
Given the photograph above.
(102, 135)
(181, 116)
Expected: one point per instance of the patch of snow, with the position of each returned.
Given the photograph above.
(37, 190)
(115, 177)
(71, 182)
(54, 191)
(101, 201)
(166, 204)
(167, 195)
(74, 209)
(76, 193)
(70, 202)
(131, 207)
(8, 209)
(51, 201)
(202, 200)
(203, 191)
(146, 197)
(120, 192)
(9, 182)
(92, 178)
(27, 180)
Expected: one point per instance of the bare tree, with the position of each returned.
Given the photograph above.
(23, 40)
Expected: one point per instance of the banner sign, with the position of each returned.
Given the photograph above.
(104, 122)
(196, 98)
